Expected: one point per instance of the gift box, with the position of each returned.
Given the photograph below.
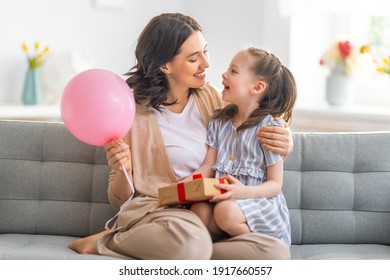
(199, 189)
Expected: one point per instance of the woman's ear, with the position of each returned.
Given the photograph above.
(259, 87)
(165, 69)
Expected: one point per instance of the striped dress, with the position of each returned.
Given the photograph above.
(241, 155)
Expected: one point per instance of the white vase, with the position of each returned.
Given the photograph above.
(339, 89)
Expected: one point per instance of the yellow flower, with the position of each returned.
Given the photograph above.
(365, 49)
(383, 65)
(36, 60)
(25, 48)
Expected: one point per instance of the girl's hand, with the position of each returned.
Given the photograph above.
(235, 189)
(118, 152)
(277, 139)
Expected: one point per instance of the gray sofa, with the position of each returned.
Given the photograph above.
(53, 190)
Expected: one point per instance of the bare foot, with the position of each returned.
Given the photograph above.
(87, 245)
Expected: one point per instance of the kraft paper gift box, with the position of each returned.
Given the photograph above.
(199, 189)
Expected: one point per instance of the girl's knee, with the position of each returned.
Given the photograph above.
(228, 215)
(225, 211)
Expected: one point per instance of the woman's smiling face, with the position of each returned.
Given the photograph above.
(187, 68)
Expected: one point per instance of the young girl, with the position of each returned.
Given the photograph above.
(258, 88)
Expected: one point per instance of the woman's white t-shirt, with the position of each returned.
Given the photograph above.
(184, 136)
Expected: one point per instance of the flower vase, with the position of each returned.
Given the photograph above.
(32, 88)
(339, 89)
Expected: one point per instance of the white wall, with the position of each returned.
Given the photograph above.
(105, 38)
(229, 25)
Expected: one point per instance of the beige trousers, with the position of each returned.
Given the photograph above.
(178, 234)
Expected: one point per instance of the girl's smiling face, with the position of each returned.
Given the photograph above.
(239, 79)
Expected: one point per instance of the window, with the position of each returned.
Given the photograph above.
(315, 24)
(378, 34)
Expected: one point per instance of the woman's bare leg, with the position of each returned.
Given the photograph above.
(87, 245)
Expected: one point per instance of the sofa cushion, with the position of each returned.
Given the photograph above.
(40, 247)
(50, 182)
(337, 187)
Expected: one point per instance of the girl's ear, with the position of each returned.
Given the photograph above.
(259, 87)
(165, 69)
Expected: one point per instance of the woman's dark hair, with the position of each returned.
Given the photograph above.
(279, 95)
(158, 43)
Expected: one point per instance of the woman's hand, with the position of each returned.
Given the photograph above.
(277, 139)
(118, 153)
(234, 189)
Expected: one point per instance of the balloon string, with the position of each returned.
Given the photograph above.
(111, 223)
(128, 180)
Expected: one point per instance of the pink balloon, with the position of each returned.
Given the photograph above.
(97, 106)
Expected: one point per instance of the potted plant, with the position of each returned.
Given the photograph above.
(344, 62)
(32, 87)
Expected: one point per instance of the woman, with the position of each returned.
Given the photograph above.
(174, 105)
